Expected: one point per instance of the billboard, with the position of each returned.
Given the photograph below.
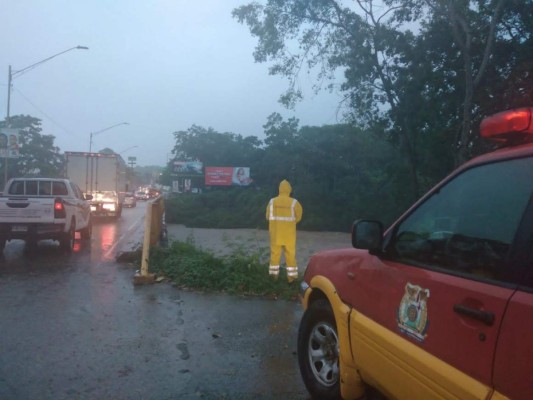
(227, 176)
(9, 143)
(187, 167)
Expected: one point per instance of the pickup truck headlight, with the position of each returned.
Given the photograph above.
(109, 206)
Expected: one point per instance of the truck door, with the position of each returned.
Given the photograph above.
(432, 306)
(82, 207)
(514, 355)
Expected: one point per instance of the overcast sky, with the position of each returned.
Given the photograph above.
(161, 66)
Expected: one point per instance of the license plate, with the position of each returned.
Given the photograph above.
(19, 228)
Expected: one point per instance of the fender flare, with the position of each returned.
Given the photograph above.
(352, 386)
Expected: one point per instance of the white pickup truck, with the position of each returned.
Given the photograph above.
(34, 209)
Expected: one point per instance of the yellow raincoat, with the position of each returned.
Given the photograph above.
(283, 213)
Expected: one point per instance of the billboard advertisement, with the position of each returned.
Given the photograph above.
(227, 176)
(187, 167)
(9, 143)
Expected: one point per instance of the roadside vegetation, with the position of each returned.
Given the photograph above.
(338, 173)
(416, 77)
(239, 273)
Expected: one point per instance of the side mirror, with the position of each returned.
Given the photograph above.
(367, 235)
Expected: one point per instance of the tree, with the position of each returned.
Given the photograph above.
(38, 155)
(214, 148)
(338, 172)
(366, 42)
(389, 83)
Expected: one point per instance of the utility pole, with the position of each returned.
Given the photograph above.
(13, 74)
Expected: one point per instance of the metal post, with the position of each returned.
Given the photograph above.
(8, 94)
(10, 77)
(6, 158)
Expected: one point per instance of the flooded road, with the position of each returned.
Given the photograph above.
(73, 326)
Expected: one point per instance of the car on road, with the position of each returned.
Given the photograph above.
(129, 200)
(33, 209)
(440, 305)
(142, 195)
(106, 203)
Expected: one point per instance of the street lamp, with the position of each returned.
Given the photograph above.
(129, 148)
(100, 131)
(129, 172)
(13, 74)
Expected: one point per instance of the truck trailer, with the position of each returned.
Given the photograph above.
(103, 176)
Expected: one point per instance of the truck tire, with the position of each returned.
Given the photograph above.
(318, 351)
(87, 232)
(67, 240)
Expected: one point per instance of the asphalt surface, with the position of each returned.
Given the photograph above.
(73, 326)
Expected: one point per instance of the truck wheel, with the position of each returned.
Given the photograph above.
(87, 232)
(318, 351)
(67, 240)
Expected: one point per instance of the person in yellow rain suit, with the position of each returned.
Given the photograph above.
(283, 213)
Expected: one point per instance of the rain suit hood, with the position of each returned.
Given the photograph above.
(285, 188)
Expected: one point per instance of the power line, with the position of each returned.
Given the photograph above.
(45, 114)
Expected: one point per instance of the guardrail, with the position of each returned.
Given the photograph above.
(154, 233)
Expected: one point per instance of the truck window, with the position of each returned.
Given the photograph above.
(45, 188)
(469, 224)
(59, 189)
(31, 188)
(17, 188)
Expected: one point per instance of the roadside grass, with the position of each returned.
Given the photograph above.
(241, 272)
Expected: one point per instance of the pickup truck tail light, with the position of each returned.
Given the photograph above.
(512, 125)
(59, 208)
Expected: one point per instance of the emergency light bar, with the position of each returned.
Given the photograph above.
(511, 125)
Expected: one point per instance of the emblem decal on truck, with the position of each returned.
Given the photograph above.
(413, 312)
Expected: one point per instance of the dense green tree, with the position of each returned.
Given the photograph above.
(365, 42)
(278, 158)
(338, 172)
(422, 71)
(479, 52)
(38, 154)
(214, 148)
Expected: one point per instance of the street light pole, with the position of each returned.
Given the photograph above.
(129, 172)
(10, 76)
(100, 131)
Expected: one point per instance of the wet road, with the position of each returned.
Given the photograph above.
(73, 326)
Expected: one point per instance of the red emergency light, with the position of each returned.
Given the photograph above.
(512, 125)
